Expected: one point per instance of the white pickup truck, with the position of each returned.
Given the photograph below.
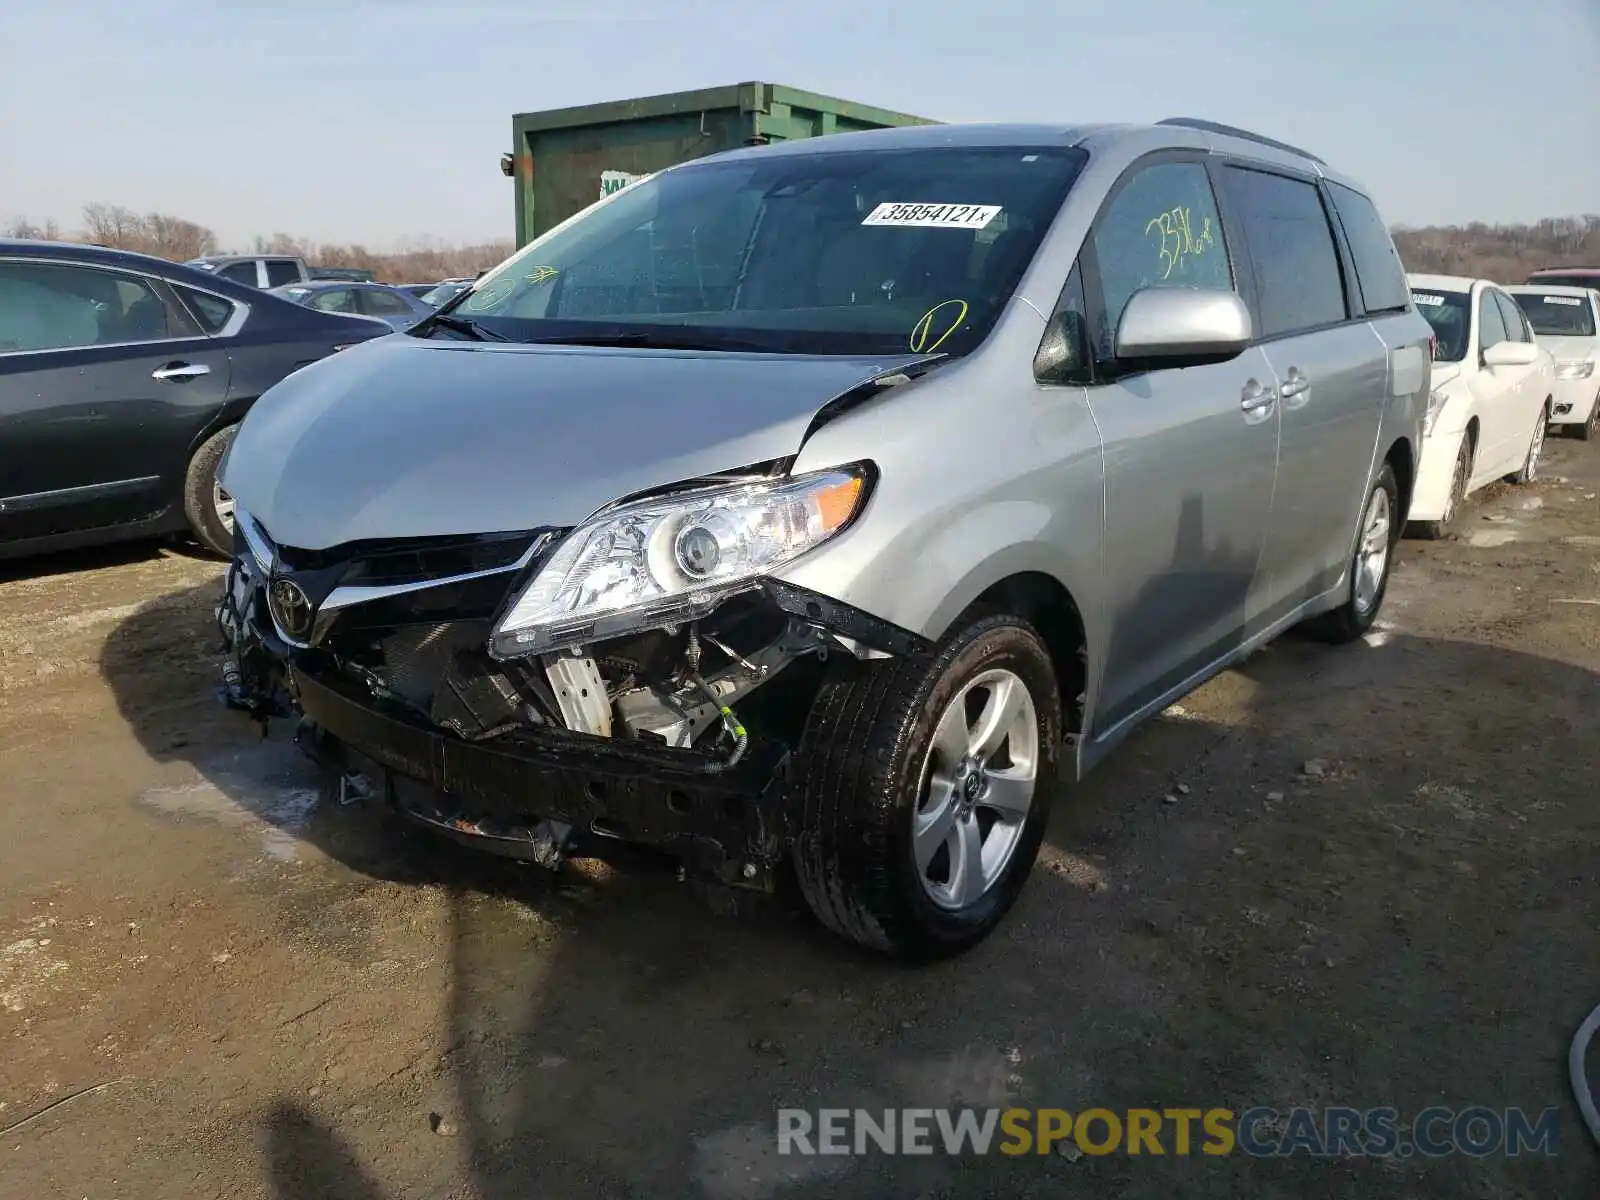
(254, 270)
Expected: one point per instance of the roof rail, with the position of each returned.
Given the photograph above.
(1235, 131)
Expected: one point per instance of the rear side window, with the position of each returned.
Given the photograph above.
(211, 311)
(1379, 274)
(62, 306)
(1292, 256)
(1160, 230)
(379, 303)
(240, 272)
(281, 271)
(339, 300)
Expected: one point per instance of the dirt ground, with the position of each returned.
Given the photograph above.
(289, 997)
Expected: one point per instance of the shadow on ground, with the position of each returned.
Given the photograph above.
(95, 558)
(1376, 885)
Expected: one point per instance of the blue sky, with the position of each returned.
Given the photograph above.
(380, 122)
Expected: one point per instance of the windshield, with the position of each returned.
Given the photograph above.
(1556, 316)
(1450, 315)
(854, 252)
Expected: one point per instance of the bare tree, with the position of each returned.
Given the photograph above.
(284, 243)
(21, 227)
(148, 233)
(175, 238)
(112, 225)
(1502, 252)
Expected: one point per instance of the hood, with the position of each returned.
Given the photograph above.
(403, 437)
(1569, 349)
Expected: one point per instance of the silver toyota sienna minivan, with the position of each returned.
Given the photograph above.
(805, 507)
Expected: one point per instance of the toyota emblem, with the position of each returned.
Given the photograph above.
(290, 608)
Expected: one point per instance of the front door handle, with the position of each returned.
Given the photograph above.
(1257, 396)
(1294, 384)
(179, 372)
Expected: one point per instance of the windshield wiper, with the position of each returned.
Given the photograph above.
(655, 341)
(462, 325)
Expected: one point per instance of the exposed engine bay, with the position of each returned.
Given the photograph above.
(676, 736)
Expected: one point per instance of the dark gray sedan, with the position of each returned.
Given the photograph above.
(122, 380)
(395, 308)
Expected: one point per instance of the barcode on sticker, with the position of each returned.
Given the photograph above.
(1569, 301)
(933, 216)
(1428, 299)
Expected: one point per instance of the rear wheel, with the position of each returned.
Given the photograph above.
(1369, 566)
(208, 507)
(1459, 475)
(922, 787)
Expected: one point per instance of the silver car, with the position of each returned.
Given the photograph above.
(808, 506)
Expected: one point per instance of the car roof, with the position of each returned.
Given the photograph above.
(1447, 283)
(1173, 132)
(1595, 271)
(1551, 289)
(129, 260)
(84, 252)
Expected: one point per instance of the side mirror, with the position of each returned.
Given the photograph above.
(1511, 354)
(1062, 356)
(1182, 327)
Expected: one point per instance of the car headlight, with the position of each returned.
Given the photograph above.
(1574, 370)
(1436, 402)
(658, 562)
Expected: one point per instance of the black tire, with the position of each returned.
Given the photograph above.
(211, 529)
(1352, 619)
(1589, 428)
(1529, 471)
(858, 778)
(1434, 530)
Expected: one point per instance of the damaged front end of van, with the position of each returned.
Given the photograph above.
(642, 673)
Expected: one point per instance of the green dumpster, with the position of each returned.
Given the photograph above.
(565, 159)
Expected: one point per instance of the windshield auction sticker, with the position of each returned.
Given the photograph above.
(933, 216)
(1568, 301)
(1428, 300)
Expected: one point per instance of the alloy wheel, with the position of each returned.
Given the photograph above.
(977, 789)
(222, 505)
(1372, 552)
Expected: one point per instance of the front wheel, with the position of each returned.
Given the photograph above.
(1369, 566)
(922, 787)
(208, 507)
(1460, 474)
(1586, 431)
(1530, 464)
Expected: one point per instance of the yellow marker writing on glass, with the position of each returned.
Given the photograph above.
(540, 275)
(923, 340)
(1178, 240)
(490, 293)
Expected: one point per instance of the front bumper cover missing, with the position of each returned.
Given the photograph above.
(530, 793)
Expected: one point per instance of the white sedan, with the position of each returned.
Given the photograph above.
(1567, 323)
(1493, 393)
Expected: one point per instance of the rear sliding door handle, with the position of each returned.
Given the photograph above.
(1294, 384)
(1257, 396)
(177, 372)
